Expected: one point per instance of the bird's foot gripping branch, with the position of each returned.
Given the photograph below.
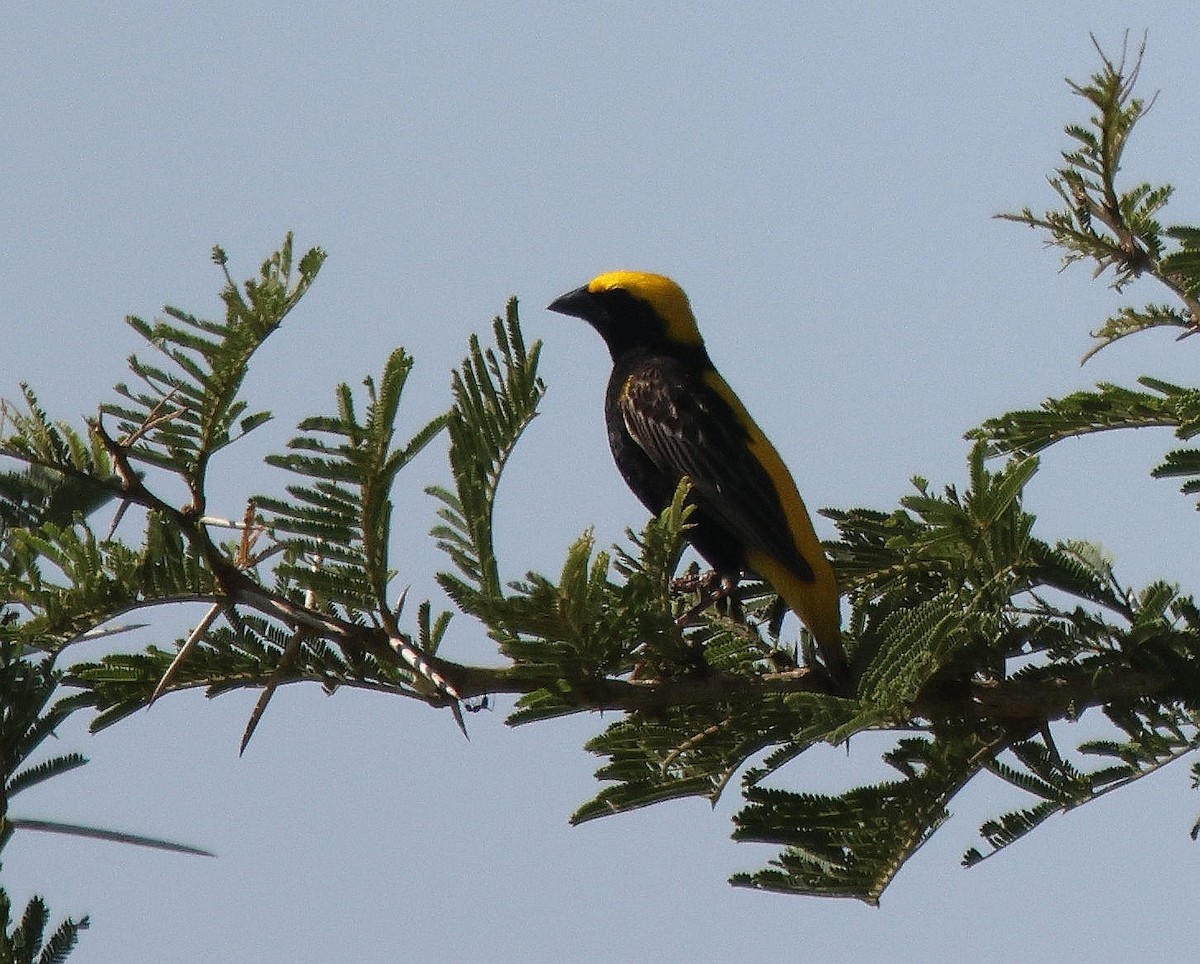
(972, 644)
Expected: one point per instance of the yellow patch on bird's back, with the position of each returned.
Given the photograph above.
(660, 293)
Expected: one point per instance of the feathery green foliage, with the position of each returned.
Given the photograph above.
(496, 394)
(335, 529)
(178, 416)
(1116, 229)
(26, 942)
(302, 595)
(34, 493)
(31, 709)
(853, 844)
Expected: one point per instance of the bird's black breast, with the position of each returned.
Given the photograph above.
(670, 394)
(658, 383)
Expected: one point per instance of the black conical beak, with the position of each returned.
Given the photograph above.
(579, 303)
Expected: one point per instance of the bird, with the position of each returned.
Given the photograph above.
(670, 415)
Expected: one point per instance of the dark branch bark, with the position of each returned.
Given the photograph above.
(1012, 702)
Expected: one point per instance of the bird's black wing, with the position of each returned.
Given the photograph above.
(686, 428)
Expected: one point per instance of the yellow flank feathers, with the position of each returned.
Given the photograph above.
(816, 603)
(660, 293)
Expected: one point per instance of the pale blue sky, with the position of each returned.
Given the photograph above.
(819, 180)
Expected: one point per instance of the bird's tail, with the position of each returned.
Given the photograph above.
(816, 602)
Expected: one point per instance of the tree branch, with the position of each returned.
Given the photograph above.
(1013, 701)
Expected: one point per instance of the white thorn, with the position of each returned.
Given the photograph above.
(414, 659)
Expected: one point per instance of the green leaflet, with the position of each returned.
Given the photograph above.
(335, 527)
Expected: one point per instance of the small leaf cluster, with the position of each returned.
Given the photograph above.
(31, 708)
(27, 942)
(1117, 229)
(335, 527)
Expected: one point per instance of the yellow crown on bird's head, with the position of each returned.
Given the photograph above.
(660, 293)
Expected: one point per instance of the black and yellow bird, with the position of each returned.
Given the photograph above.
(670, 414)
